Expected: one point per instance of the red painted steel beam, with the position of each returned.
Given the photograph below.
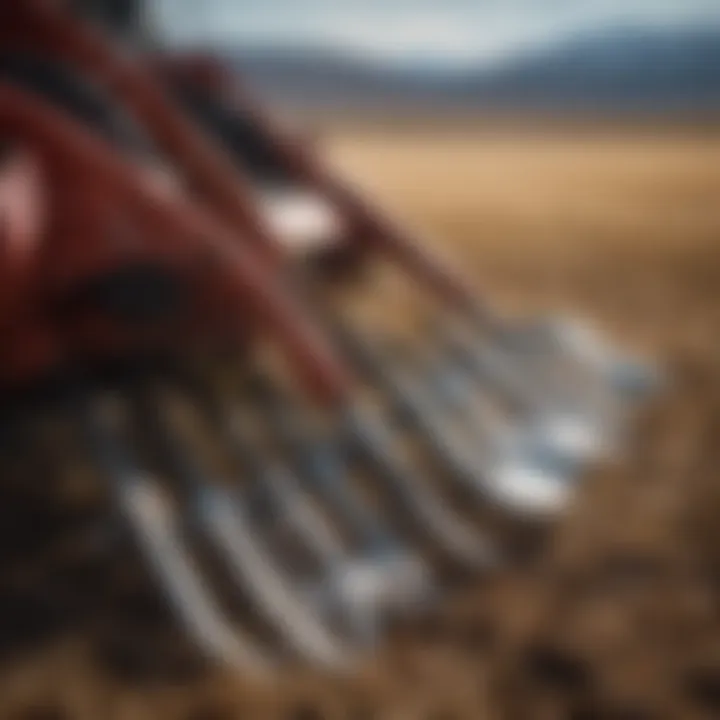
(180, 230)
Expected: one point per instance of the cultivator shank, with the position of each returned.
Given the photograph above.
(167, 257)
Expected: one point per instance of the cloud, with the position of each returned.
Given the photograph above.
(451, 30)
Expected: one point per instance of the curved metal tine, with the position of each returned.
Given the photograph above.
(494, 368)
(513, 466)
(159, 534)
(568, 341)
(277, 486)
(269, 481)
(321, 462)
(573, 361)
(372, 442)
(501, 466)
(449, 391)
(599, 387)
(224, 520)
(534, 462)
(456, 537)
(519, 469)
(387, 568)
(551, 445)
(333, 592)
(571, 430)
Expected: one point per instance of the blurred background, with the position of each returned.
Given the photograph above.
(568, 153)
(419, 57)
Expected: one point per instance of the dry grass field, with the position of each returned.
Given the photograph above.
(620, 618)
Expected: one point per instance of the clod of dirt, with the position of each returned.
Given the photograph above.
(631, 570)
(591, 711)
(147, 660)
(27, 618)
(42, 712)
(479, 636)
(363, 712)
(211, 712)
(585, 712)
(432, 628)
(441, 715)
(305, 712)
(558, 668)
(703, 687)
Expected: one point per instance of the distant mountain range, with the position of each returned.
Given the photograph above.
(624, 69)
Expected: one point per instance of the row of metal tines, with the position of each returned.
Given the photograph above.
(330, 527)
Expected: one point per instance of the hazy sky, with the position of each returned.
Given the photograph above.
(431, 30)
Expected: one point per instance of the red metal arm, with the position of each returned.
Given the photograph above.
(173, 228)
(368, 224)
(34, 24)
(221, 183)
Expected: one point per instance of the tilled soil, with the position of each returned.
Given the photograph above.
(618, 619)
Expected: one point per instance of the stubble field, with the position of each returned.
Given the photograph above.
(620, 617)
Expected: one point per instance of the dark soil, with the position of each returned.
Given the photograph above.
(619, 619)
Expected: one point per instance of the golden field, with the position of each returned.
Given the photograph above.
(619, 618)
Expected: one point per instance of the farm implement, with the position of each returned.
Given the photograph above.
(182, 283)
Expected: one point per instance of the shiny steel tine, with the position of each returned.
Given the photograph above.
(159, 534)
(279, 486)
(223, 519)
